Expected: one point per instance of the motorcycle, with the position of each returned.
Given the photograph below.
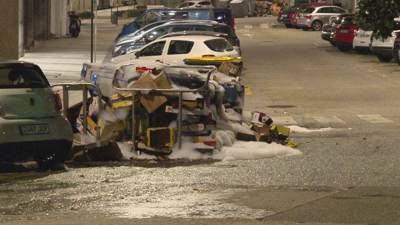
(74, 24)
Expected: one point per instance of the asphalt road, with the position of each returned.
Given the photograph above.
(347, 175)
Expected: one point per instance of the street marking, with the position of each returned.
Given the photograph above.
(375, 118)
(328, 120)
(248, 35)
(264, 26)
(283, 120)
(248, 27)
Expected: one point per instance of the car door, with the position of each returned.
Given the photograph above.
(153, 51)
(178, 51)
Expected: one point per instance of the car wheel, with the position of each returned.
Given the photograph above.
(384, 58)
(316, 25)
(305, 28)
(52, 161)
(288, 25)
(344, 48)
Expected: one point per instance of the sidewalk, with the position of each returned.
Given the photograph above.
(61, 59)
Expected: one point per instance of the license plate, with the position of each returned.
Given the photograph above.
(364, 35)
(34, 129)
(344, 31)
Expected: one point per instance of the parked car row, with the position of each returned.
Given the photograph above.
(309, 15)
(339, 28)
(174, 40)
(346, 35)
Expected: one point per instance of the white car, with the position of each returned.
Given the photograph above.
(383, 48)
(195, 4)
(31, 123)
(176, 49)
(361, 41)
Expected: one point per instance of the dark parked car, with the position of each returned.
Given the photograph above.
(285, 16)
(154, 15)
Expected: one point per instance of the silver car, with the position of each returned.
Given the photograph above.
(31, 123)
(315, 17)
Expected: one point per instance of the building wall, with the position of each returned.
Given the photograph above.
(9, 30)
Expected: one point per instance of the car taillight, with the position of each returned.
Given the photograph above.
(355, 32)
(208, 56)
(233, 24)
(58, 102)
(308, 17)
(290, 14)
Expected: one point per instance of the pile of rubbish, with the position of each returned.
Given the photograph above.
(140, 105)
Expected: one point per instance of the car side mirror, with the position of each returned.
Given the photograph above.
(137, 54)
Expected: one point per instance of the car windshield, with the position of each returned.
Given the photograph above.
(20, 77)
(219, 45)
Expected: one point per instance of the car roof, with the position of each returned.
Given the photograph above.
(191, 38)
(326, 6)
(6, 63)
(203, 33)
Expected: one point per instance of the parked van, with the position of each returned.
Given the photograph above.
(153, 15)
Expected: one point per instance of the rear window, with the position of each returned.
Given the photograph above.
(20, 77)
(227, 30)
(349, 21)
(309, 10)
(219, 45)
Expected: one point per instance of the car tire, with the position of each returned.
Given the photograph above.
(304, 28)
(51, 161)
(344, 48)
(317, 25)
(384, 58)
(288, 25)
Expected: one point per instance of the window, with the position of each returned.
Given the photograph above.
(180, 28)
(309, 10)
(338, 10)
(175, 15)
(153, 35)
(21, 78)
(325, 10)
(200, 28)
(153, 50)
(180, 47)
(349, 21)
(205, 3)
(219, 45)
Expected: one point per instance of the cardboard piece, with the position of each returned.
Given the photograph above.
(108, 130)
(151, 101)
(229, 69)
(161, 137)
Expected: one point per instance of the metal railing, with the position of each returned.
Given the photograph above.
(180, 91)
(66, 87)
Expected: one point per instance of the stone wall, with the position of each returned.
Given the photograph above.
(9, 30)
